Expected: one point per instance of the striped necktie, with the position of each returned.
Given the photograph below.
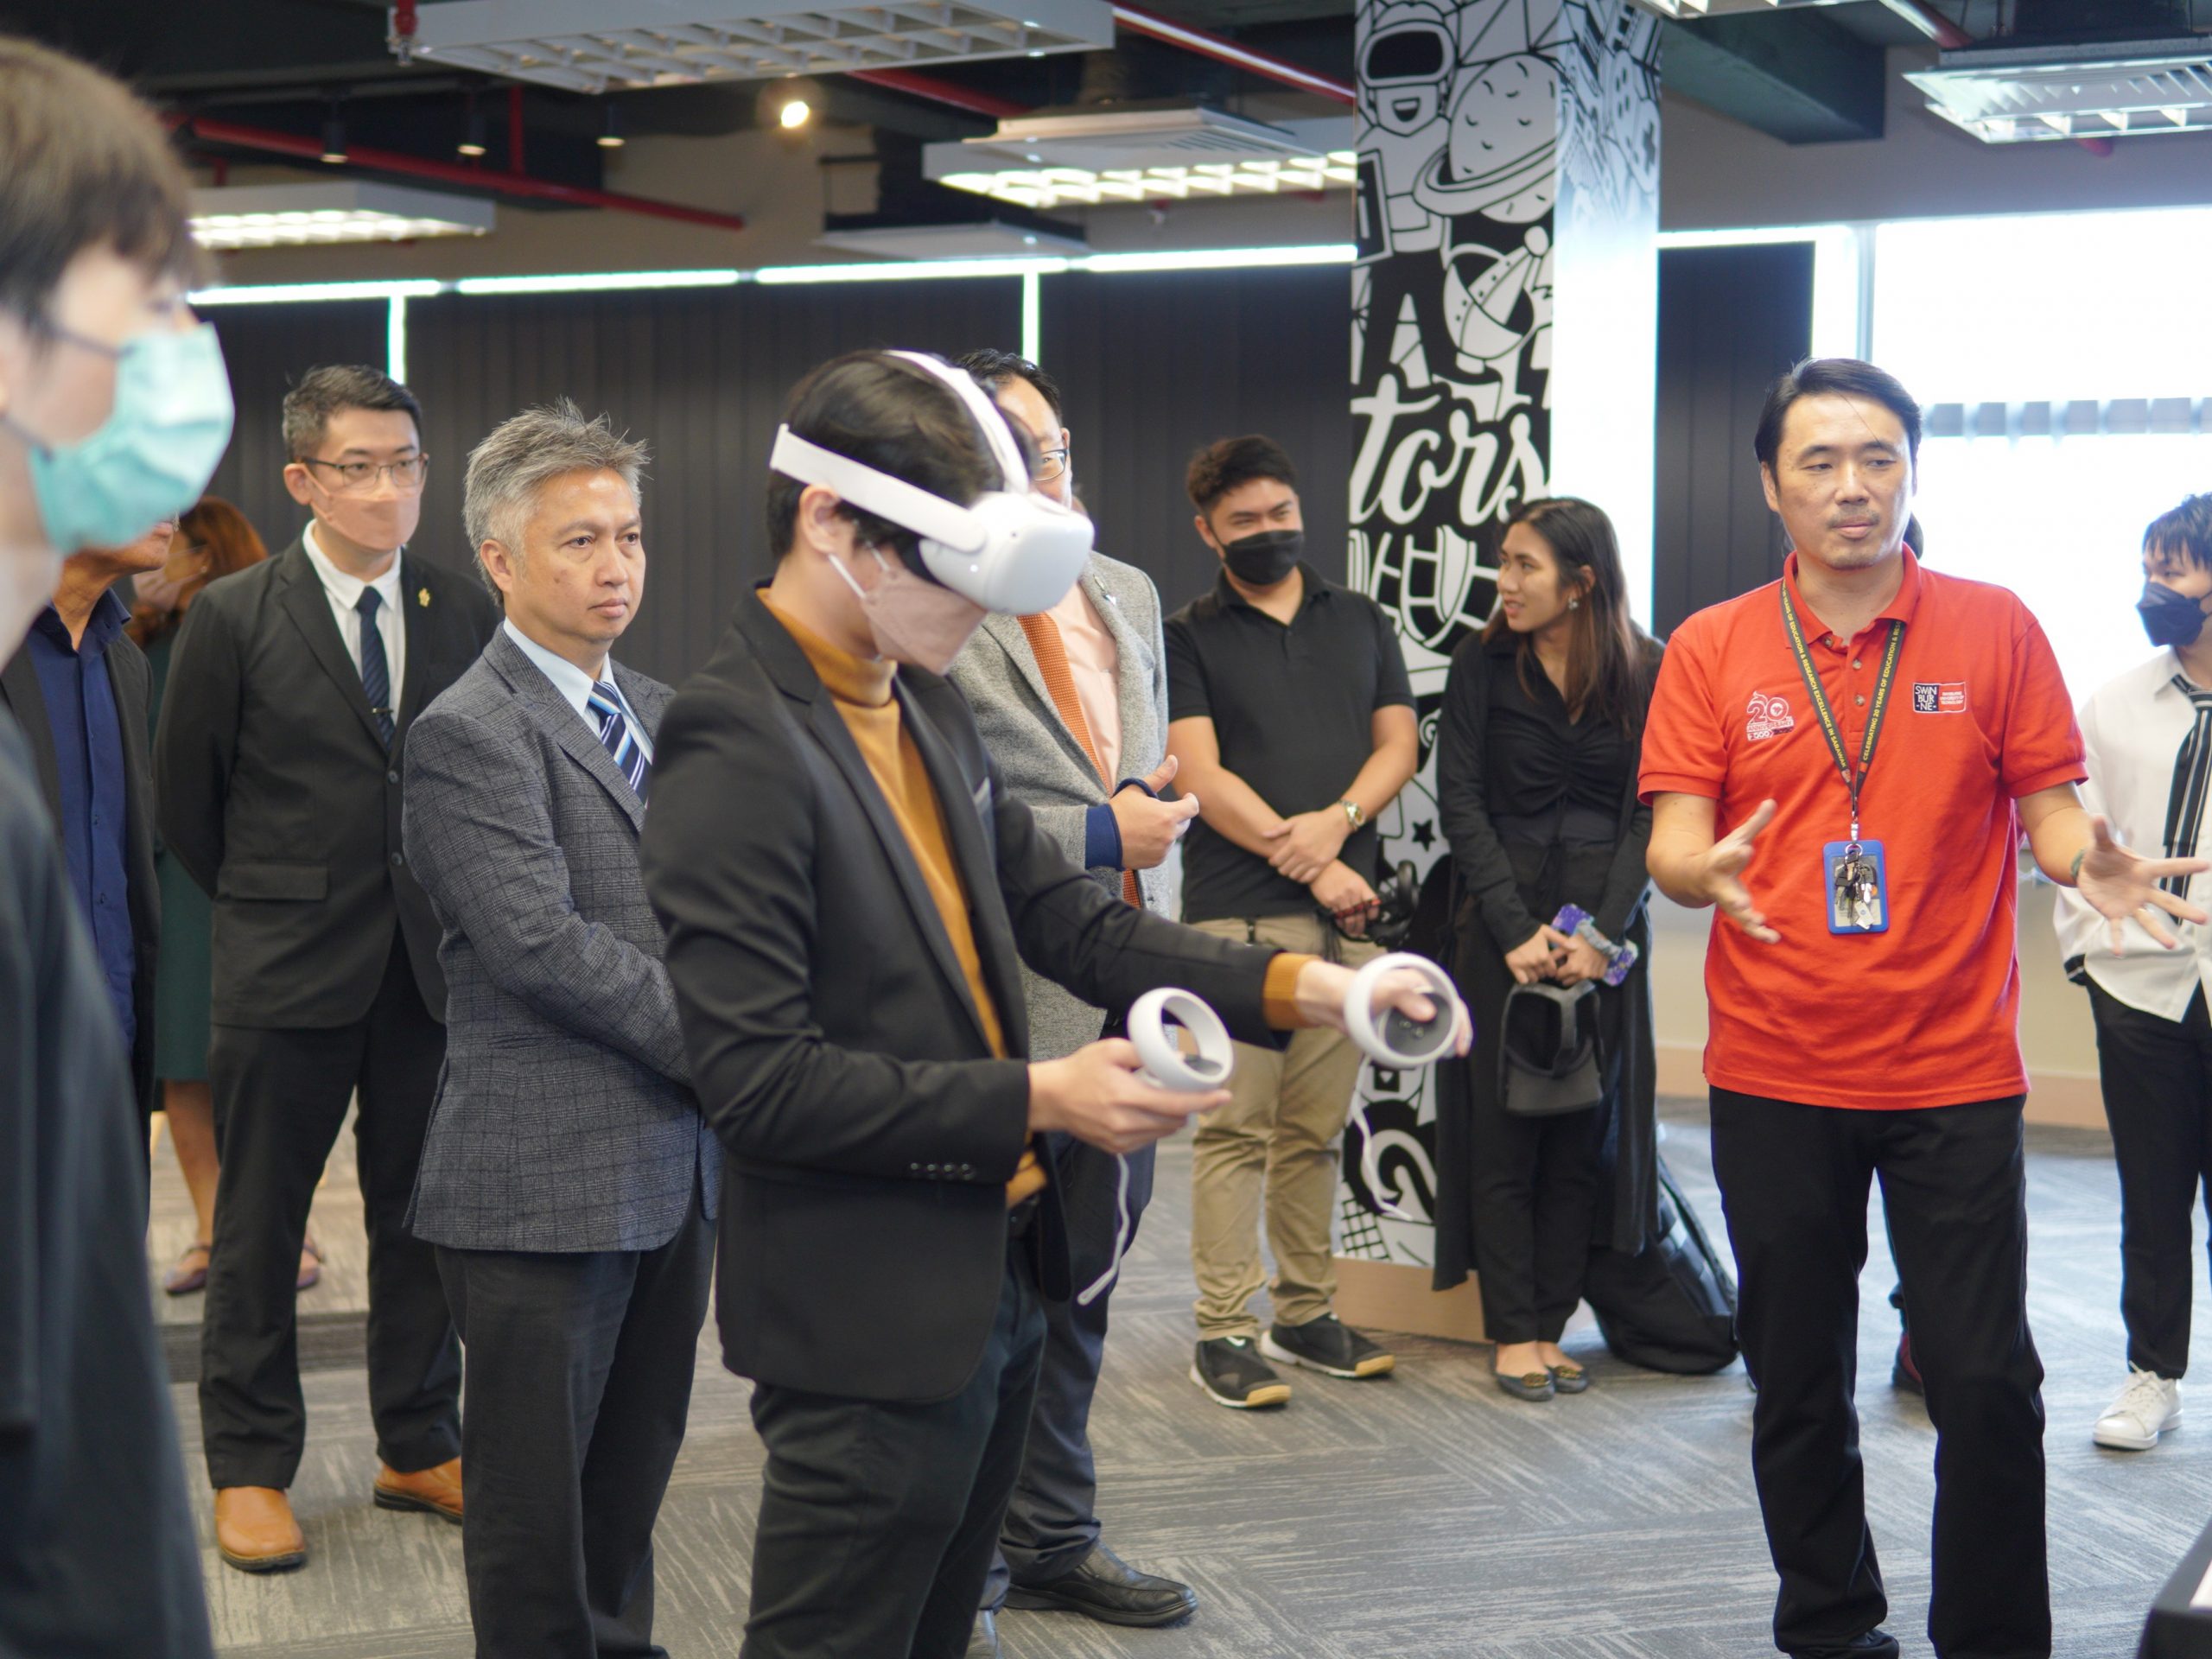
(615, 733)
(1051, 653)
(2192, 774)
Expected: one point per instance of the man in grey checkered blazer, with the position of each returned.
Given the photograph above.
(1089, 779)
(568, 1179)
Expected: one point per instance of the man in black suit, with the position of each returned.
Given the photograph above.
(279, 761)
(849, 893)
(77, 687)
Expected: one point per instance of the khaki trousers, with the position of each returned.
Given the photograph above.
(1276, 1138)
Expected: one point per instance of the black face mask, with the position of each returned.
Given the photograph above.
(1264, 559)
(2171, 619)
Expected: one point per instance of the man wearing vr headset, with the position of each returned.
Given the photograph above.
(849, 893)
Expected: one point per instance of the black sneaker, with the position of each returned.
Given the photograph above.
(1232, 1373)
(1328, 1345)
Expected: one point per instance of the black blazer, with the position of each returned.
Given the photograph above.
(131, 680)
(833, 1041)
(277, 794)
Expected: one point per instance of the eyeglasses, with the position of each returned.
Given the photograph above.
(359, 477)
(1051, 463)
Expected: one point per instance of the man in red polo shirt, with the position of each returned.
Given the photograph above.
(1843, 762)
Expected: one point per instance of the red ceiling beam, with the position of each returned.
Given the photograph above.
(1264, 64)
(506, 182)
(940, 92)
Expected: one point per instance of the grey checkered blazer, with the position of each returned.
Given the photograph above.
(564, 1119)
(1043, 766)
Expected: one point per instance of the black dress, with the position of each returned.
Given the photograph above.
(1539, 811)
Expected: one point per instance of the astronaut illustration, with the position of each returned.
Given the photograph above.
(1406, 69)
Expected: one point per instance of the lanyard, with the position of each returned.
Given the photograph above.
(1854, 781)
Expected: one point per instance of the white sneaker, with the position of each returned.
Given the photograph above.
(2147, 1407)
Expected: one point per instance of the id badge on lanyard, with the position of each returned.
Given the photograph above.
(1854, 874)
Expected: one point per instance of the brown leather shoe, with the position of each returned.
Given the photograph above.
(255, 1531)
(435, 1491)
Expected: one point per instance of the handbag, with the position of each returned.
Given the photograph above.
(1548, 1051)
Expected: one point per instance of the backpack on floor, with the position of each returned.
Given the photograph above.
(1672, 1306)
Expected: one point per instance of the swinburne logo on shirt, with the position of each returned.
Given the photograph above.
(1768, 716)
(1948, 697)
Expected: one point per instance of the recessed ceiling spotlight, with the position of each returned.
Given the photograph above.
(796, 113)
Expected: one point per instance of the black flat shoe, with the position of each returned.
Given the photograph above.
(1570, 1379)
(1105, 1587)
(1535, 1386)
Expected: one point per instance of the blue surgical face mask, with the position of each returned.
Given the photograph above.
(151, 457)
(2171, 619)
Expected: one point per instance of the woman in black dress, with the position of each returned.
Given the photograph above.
(1536, 777)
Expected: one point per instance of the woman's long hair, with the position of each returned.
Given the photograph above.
(231, 544)
(1604, 655)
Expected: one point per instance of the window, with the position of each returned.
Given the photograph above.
(2065, 378)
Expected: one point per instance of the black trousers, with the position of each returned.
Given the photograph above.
(1794, 1183)
(579, 1380)
(1534, 1193)
(1051, 1520)
(878, 1520)
(2157, 1076)
(280, 1099)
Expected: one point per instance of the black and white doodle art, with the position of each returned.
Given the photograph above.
(1488, 131)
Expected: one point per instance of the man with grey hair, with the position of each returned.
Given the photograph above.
(569, 1181)
(293, 688)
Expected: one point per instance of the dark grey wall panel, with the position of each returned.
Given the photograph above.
(1730, 320)
(701, 375)
(1153, 366)
(267, 347)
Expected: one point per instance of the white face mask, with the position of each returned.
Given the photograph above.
(912, 621)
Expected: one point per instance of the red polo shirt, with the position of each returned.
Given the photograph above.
(1926, 1013)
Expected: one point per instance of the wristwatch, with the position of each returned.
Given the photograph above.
(1353, 811)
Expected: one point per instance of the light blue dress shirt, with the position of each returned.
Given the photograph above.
(573, 684)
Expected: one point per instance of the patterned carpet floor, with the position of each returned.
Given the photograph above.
(1422, 1517)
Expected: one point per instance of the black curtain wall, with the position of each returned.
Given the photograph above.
(1155, 366)
(267, 347)
(1731, 319)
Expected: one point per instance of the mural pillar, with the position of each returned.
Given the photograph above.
(1505, 329)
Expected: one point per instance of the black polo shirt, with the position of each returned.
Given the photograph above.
(1293, 709)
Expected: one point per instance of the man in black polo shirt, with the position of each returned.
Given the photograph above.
(1290, 715)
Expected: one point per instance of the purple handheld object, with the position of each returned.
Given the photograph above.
(1620, 958)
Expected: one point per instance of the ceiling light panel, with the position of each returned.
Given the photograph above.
(2037, 94)
(1140, 155)
(231, 218)
(586, 46)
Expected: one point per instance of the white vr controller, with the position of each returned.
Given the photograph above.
(1400, 1041)
(1166, 1066)
(1154, 1021)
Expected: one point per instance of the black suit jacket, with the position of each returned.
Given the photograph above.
(833, 1040)
(131, 680)
(279, 797)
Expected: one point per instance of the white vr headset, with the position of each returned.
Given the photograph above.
(1012, 549)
